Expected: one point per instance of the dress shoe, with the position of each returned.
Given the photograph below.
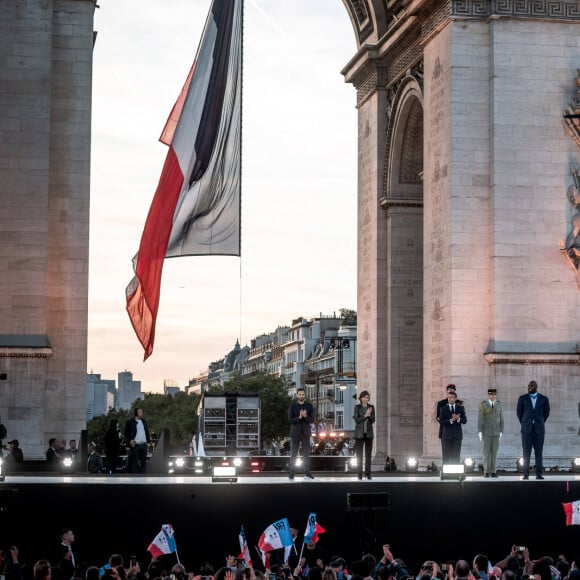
(486, 475)
(539, 477)
(308, 476)
(368, 477)
(494, 474)
(360, 477)
(290, 476)
(526, 477)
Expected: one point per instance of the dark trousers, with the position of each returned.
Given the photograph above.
(137, 459)
(295, 442)
(533, 441)
(451, 451)
(111, 463)
(363, 447)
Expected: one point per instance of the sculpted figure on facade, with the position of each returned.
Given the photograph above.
(570, 247)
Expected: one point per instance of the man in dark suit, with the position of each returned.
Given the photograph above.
(300, 417)
(533, 410)
(440, 404)
(451, 418)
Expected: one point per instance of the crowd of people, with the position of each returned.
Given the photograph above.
(313, 563)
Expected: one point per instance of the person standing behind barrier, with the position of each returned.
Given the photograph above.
(112, 446)
(533, 410)
(52, 455)
(300, 417)
(490, 425)
(137, 438)
(364, 417)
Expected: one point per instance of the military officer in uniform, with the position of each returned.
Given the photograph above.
(490, 424)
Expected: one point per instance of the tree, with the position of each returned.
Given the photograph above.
(348, 316)
(274, 402)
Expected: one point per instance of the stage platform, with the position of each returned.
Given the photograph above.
(421, 516)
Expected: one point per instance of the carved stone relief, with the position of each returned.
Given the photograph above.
(570, 247)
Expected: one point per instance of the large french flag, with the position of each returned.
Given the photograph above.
(196, 207)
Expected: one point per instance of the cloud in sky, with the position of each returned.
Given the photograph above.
(299, 164)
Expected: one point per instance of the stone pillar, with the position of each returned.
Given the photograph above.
(46, 130)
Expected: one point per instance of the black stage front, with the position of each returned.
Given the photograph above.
(426, 518)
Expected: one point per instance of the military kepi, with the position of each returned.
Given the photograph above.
(492, 391)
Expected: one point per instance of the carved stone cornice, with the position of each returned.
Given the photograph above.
(544, 9)
(25, 352)
(495, 358)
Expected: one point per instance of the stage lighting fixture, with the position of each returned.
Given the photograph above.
(520, 465)
(2, 477)
(469, 464)
(224, 473)
(453, 471)
(198, 465)
(412, 465)
(67, 463)
(576, 465)
(176, 464)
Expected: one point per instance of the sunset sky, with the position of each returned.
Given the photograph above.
(299, 163)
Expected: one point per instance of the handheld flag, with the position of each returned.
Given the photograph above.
(196, 207)
(163, 542)
(313, 530)
(572, 511)
(244, 550)
(275, 536)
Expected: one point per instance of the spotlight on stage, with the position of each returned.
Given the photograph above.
(2, 477)
(176, 464)
(452, 471)
(576, 465)
(469, 464)
(520, 465)
(411, 465)
(224, 473)
(67, 463)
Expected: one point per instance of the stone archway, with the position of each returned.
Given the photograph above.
(402, 204)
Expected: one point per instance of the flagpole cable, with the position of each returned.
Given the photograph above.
(241, 158)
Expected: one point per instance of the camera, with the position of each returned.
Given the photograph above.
(520, 548)
(133, 560)
(271, 576)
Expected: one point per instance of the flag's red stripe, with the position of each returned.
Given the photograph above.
(143, 303)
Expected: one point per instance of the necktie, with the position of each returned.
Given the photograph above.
(453, 408)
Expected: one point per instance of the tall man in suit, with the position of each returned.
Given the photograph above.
(300, 417)
(533, 410)
(451, 418)
(490, 424)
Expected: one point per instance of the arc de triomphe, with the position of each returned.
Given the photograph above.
(464, 168)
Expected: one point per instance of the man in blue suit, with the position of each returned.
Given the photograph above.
(533, 411)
